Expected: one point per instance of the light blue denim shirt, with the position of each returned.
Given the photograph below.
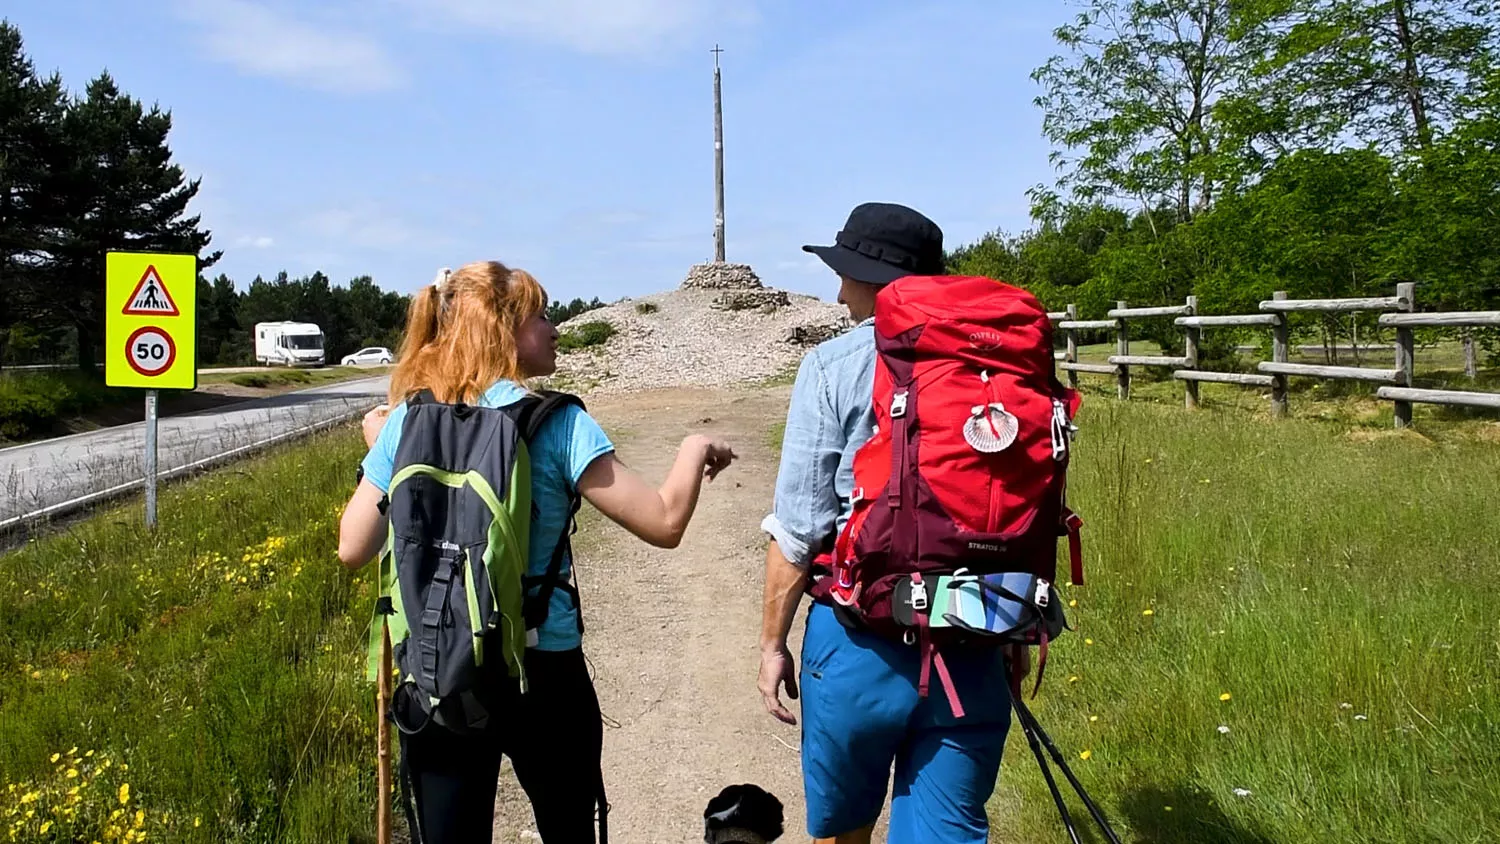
(830, 417)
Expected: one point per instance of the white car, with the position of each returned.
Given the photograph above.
(371, 355)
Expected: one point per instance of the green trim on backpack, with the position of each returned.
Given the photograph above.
(509, 531)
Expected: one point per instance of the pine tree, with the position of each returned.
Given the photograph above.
(120, 191)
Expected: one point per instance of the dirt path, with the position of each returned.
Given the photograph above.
(672, 635)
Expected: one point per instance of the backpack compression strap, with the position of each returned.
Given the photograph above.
(532, 415)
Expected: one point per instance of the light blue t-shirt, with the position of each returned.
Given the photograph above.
(568, 441)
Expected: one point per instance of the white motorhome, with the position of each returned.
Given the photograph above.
(288, 344)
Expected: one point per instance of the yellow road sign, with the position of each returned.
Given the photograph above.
(150, 326)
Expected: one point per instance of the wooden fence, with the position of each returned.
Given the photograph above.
(1398, 311)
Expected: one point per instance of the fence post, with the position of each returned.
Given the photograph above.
(1280, 349)
(1471, 360)
(1405, 350)
(1072, 347)
(1190, 350)
(1122, 347)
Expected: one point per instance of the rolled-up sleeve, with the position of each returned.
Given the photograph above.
(806, 506)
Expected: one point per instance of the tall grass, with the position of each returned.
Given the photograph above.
(1286, 634)
(217, 662)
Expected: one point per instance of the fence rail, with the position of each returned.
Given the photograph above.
(1398, 312)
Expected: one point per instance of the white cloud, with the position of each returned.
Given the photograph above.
(265, 41)
(261, 242)
(370, 227)
(606, 27)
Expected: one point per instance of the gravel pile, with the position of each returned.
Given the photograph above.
(686, 338)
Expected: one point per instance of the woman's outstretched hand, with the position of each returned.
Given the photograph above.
(717, 456)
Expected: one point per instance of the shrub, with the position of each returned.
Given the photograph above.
(32, 404)
(646, 308)
(586, 335)
(256, 380)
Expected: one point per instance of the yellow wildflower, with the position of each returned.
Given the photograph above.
(1148, 612)
(1086, 754)
(124, 794)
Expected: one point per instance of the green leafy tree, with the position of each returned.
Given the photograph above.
(1131, 104)
(1388, 73)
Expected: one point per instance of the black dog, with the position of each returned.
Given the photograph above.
(742, 814)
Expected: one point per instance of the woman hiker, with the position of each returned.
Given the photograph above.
(475, 335)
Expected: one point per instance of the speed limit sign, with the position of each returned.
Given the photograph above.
(150, 351)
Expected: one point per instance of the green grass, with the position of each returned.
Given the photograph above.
(777, 435)
(293, 378)
(583, 336)
(217, 663)
(1340, 589)
(34, 404)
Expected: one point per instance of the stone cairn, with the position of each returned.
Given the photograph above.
(713, 275)
(741, 287)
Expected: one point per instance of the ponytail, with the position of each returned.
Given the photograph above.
(460, 332)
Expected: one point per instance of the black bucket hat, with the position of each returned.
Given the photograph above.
(881, 242)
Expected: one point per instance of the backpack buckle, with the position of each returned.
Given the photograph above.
(898, 405)
(919, 595)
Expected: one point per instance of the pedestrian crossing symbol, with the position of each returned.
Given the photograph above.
(150, 297)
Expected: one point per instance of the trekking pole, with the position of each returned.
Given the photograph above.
(1057, 756)
(1036, 750)
(383, 741)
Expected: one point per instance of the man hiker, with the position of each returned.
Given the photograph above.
(862, 710)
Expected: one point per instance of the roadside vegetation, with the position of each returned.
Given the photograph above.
(208, 676)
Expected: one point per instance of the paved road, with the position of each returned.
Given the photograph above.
(42, 474)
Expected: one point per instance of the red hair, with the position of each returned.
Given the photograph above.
(461, 332)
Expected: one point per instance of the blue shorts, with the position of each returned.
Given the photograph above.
(861, 712)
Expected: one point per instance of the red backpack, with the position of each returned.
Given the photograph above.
(960, 494)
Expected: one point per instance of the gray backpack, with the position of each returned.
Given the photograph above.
(453, 572)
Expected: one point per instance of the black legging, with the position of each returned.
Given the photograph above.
(554, 744)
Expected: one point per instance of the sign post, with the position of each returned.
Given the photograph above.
(150, 335)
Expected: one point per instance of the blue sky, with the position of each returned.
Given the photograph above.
(573, 138)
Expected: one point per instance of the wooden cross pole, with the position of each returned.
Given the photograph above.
(718, 162)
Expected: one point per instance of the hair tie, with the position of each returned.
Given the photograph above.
(442, 276)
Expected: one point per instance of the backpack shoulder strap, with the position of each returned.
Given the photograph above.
(542, 405)
(534, 411)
